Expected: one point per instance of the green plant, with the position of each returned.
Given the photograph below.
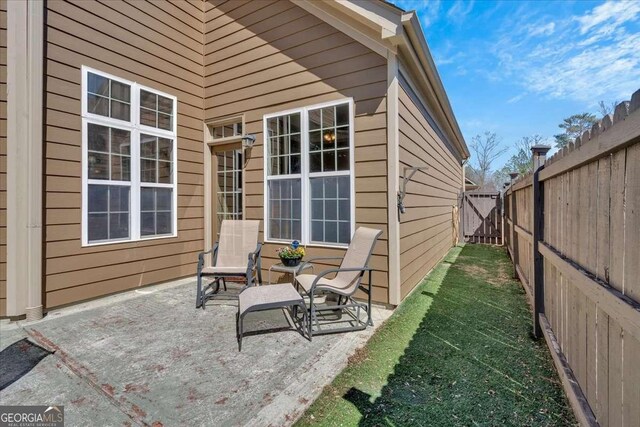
(292, 251)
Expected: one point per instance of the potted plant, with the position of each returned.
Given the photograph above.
(291, 255)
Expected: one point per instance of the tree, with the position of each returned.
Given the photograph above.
(486, 149)
(522, 161)
(574, 126)
(605, 109)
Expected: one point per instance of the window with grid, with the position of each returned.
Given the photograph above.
(229, 185)
(308, 170)
(284, 177)
(129, 149)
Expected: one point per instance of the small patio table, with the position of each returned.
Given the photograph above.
(294, 271)
(259, 298)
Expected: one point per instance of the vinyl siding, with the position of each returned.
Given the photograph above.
(269, 56)
(157, 44)
(426, 228)
(3, 157)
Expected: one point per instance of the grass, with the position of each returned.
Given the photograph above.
(458, 351)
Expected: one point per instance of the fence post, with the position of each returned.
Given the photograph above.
(539, 154)
(514, 219)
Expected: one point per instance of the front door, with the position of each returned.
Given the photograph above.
(228, 163)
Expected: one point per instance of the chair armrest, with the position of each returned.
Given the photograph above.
(255, 255)
(318, 258)
(253, 263)
(337, 270)
(201, 255)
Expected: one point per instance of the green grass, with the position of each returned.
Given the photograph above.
(458, 351)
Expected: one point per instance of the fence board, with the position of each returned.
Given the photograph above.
(631, 250)
(602, 221)
(602, 371)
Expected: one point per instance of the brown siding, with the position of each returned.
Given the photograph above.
(3, 158)
(269, 56)
(426, 228)
(158, 44)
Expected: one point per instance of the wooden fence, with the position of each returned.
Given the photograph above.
(572, 229)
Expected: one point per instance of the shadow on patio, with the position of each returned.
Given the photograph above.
(457, 352)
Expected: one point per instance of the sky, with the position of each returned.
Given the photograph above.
(517, 68)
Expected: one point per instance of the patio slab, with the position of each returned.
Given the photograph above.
(149, 357)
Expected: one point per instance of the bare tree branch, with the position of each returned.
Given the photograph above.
(486, 149)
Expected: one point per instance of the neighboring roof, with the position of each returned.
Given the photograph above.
(391, 28)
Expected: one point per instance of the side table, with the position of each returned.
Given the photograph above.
(294, 271)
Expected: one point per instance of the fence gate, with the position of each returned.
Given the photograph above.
(482, 217)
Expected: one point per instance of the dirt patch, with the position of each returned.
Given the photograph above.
(473, 270)
(360, 355)
(498, 277)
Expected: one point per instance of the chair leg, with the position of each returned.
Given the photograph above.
(224, 283)
(369, 319)
(198, 292)
(239, 332)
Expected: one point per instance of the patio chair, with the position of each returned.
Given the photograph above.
(347, 280)
(236, 254)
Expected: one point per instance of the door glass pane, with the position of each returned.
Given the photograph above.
(229, 185)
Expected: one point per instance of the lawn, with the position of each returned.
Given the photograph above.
(458, 351)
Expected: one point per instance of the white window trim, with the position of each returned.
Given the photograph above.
(135, 183)
(305, 175)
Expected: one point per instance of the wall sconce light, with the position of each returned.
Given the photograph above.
(248, 141)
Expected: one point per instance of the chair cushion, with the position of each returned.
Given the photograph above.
(267, 297)
(306, 280)
(224, 270)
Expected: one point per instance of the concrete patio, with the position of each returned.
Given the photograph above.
(148, 357)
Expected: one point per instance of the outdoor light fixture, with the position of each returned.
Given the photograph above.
(248, 141)
(403, 191)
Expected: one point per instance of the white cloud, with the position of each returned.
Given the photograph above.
(584, 58)
(459, 11)
(615, 12)
(544, 30)
(516, 98)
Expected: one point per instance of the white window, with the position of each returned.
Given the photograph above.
(129, 173)
(309, 194)
(227, 129)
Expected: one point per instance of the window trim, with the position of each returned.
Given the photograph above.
(305, 176)
(135, 183)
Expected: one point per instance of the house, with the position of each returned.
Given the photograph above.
(128, 134)
(470, 185)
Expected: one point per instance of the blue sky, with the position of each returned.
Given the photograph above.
(518, 68)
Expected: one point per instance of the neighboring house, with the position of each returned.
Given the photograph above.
(124, 149)
(470, 185)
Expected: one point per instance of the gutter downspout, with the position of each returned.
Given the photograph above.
(393, 178)
(25, 49)
(461, 216)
